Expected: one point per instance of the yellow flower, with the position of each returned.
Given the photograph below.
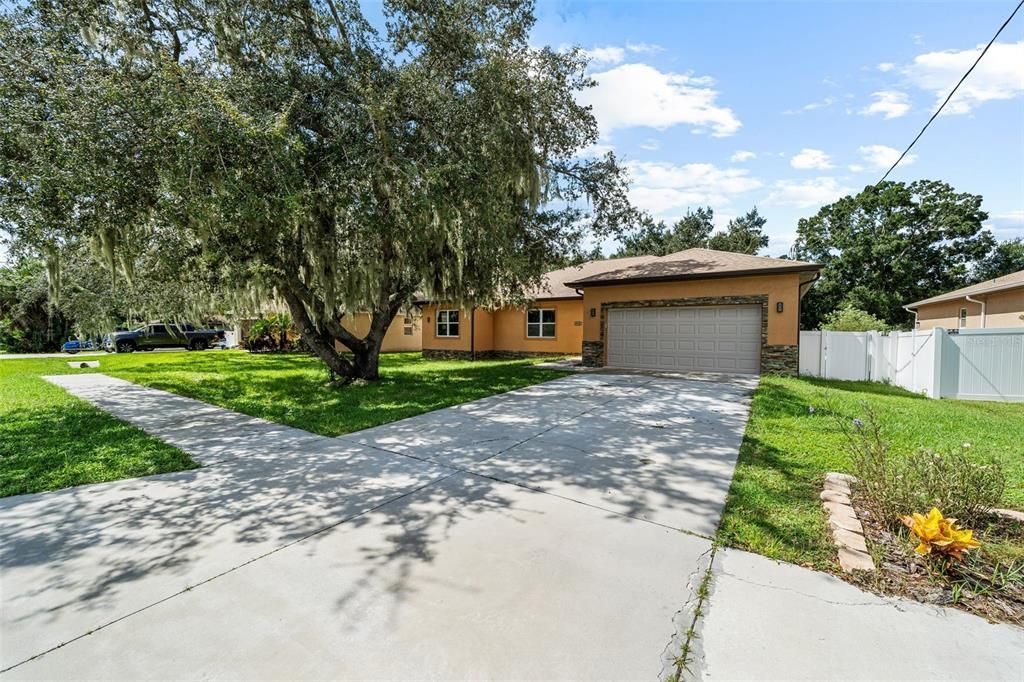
(940, 535)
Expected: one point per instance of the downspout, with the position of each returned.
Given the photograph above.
(982, 303)
(472, 333)
(911, 310)
(802, 290)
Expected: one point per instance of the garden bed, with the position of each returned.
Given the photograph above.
(989, 582)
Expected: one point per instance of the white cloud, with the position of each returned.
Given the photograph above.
(644, 48)
(596, 149)
(660, 187)
(635, 95)
(889, 103)
(827, 102)
(806, 193)
(882, 157)
(1009, 225)
(885, 67)
(856, 168)
(999, 75)
(742, 155)
(602, 56)
(650, 145)
(811, 158)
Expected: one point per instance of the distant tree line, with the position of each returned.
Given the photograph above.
(887, 246)
(696, 229)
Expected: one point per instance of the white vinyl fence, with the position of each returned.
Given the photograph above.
(969, 364)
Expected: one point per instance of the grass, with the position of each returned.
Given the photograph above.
(48, 439)
(773, 506)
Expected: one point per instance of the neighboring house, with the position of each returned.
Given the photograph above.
(997, 303)
(695, 310)
(404, 334)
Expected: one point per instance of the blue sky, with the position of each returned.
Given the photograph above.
(791, 105)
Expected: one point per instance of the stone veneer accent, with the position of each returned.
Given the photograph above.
(780, 359)
(776, 359)
(446, 354)
(593, 353)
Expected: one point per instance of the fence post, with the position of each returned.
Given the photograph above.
(938, 343)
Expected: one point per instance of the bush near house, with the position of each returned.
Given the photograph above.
(849, 318)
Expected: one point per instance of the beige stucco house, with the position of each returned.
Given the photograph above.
(695, 310)
(997, 303)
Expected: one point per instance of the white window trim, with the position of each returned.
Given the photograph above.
(540, 324)
(447, 324)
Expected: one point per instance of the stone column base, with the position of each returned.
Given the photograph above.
(593, 354)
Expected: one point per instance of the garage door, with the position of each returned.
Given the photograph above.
(704, 339)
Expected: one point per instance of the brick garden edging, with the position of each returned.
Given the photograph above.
(847, 531)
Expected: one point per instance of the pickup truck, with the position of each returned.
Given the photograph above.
(161, 335)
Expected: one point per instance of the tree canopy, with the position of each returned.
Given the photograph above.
(293, 150)
(1007, 257)
(890, 245)
(744, 234)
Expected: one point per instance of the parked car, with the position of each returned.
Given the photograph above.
(162, 335)
(73, 346)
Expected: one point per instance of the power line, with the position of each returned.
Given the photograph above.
(952, 92)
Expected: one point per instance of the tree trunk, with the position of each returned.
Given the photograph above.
(366, 360)
(320, 343)
(322, 336)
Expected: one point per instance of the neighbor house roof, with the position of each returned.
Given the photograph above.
(1011, 281)
(691, 264)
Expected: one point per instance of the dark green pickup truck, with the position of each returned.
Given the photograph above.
(161, 335)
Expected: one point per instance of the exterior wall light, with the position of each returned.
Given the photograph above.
(778, 307)
(593, 312)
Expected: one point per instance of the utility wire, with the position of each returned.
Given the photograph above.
(952, 92)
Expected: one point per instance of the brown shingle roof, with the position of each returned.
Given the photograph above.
(554, 282)
(1011, 281)
(692, 264)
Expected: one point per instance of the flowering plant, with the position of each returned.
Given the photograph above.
(940, 535)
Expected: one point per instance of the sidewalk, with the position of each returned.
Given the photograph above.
(766, 620)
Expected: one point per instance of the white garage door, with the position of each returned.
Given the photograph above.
(712, 339)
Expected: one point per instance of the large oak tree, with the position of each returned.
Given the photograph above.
(289, 147)
(892, 244)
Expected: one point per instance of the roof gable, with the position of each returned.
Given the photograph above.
(694, 264)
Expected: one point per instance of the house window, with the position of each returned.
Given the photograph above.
(447, 323)
(963, 318)
(540, 323)
(407, 328)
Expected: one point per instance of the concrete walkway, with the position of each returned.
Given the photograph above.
(550, 532)
(554, 532)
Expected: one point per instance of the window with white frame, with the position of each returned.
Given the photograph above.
(963, 318)
(540, 323)
(407, 326)
(447, 323)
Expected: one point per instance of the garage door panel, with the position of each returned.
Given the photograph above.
(705, 338)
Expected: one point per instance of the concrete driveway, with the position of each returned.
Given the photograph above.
(553, 532)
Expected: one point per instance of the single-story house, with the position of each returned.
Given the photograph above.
(405, 334)
(695, 310)
(997, 303)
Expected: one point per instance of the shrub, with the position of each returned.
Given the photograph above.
(894, 485)
(272, 333)
(937, 534)
(851, 319)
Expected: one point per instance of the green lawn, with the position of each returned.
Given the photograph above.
(773, 505)
(50, 440)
